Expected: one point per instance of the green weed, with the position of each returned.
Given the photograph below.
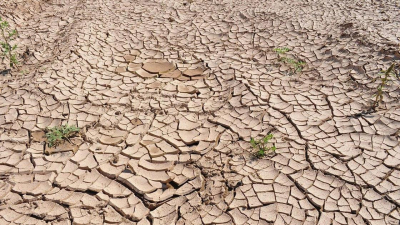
(58, 134)
(281, 50)
(261, 146)
(7, 49)
(296, 65)
(383, 83)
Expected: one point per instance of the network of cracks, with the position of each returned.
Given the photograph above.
(168, 95)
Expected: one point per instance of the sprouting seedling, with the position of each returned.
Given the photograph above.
(7, 49)
(281, 50)
(296, 65)
(383, 83)
(261, 146)
(58, 134)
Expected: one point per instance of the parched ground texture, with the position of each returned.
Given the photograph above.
(168, 94)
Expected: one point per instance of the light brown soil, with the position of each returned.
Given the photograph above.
(168, 94)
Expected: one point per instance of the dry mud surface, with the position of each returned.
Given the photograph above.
(168, 94)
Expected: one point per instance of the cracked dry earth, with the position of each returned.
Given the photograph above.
(168, 94)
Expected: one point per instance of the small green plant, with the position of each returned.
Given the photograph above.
(23, 72)
(281, 50)
(8, 35)
(58, 134)
(296, 65)
(261, 146)
(384, 77)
